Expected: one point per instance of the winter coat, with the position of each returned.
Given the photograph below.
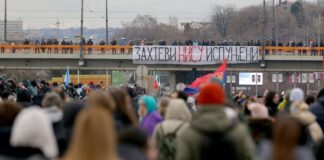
(150, 121)
(130, 152)
(301, 152)
(213, 119)
(261, 129)
(309, 120)
(177, 117)
(318, 110)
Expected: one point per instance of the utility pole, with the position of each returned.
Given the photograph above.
(81, 62)
(319, 22)
(273, 21)
(263, 29)
(106, 21)
(5, 23)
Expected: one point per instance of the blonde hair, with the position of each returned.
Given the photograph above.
(93, 137)
(101, 99)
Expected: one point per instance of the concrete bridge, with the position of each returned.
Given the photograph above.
(279, 60)
(108, 57)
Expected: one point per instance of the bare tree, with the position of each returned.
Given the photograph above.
(221, 18)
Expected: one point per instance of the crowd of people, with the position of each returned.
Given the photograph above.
(124, 42)
(40, 120)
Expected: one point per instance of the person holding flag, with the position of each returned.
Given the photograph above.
(67, 76)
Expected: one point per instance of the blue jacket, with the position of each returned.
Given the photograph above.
(318, 110)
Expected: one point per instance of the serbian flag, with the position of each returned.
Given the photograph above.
(156, 84)
(219, 74)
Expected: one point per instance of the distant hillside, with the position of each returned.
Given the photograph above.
(96, 34)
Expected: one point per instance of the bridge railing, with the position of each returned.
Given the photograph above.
(116, 49)
(66, 49)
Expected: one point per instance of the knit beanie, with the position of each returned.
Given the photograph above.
(258, 110)
(296, 95)
(211, 94)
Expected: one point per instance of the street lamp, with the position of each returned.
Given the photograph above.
(5, 22)
(106, 21)
(81, 62)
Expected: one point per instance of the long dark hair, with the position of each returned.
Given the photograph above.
(288, 133)
(269, 98)
(123, 106)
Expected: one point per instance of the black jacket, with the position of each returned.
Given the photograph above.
(318, 110)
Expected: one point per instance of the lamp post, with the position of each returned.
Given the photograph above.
(263, 29)
(5, 22)
(81, 62)
(319, 22)
(273, 21)
(106, 21)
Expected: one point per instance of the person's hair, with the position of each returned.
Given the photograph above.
(269, 98)
(93, 136)
(8, 113)
(5, 94)
(123, 101)
(320, 93)
(52, 99)
(133, 136)
(103, 99)
(249, 100)
(163, 104)
(55, 84)
(33, 83)
(182, 95)
(310, 99)
(286, 137)
(24, 95)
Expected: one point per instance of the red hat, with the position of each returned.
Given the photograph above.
(211, 94)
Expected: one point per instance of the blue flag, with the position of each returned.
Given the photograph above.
(67, 77)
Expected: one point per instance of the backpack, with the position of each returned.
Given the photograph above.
(167, 145)
(217, 145)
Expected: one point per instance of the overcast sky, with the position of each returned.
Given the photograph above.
(45, 13)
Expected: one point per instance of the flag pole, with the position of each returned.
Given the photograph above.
(78, 75)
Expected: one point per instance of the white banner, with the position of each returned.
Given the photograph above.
(280, 78)
(274, 78)
(304, 77)
(311, 78)
(194, 55)
(250, 78)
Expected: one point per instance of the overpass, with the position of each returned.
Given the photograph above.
(33, 57)
(295, 65)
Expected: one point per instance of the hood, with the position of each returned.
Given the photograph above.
(213, 118)
(54, 113)
(305, 116)
(150, 103)
(178, 110)
(321, 100)
(32, 128)
(71, 111)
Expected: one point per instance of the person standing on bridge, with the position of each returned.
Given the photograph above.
(49, 43)
(63, 43)
(43, 43)
(113, 43)
(56, 42)
(37, 43)
(122, 42)
(102, 43)
(89, 44)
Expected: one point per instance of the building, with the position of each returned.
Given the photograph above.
(186, 27)
(173, 21)
(321, 3)
(15, 30)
